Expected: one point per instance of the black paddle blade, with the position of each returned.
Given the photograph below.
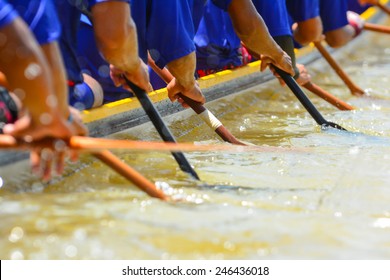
(334, 125)
(161, 127)
(305, 101)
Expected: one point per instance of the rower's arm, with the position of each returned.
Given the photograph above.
(116, 37)
(251, 29)
(116, 34)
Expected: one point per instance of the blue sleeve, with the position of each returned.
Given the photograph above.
(333, 14)
(41, 17)
(223, 4)
(169, 34)
(94, 2)
(7, 13)
(301, 10)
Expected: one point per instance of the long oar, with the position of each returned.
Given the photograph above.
(376, 28)
(320, 92)
(292, 84)
(8, 142)
(92, 144)
(384, 8)
(199, 109)
(161, 127)
(129, 173)
(330, 98)
(355, 90)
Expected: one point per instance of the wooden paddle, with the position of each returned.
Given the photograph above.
(129, 173)
(8, 142)
(355, 90)
(384, 8)
(199, 109)
(161, 127)
(320, 92)
(92, 144)
(330, 98)
(292, 84)
(376, 28)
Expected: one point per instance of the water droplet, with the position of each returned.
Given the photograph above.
(338, 214)
(32, 71)
(104, 71)
(80, 234)
(41, 224)
(45, 118)
(37, 187)
(28, 138)
(229, 246)
(16, 255)
(382, 223)
(52, 101)
(16, 234)
(354, 150)
(20, 93)
(59, 145)
(71, 251)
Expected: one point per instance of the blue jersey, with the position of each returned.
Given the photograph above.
(7, 13)
(41, 17)
(333, 14)
(93, 64)
(275, 16)
(353, 5)
(165, 28)
(217, 45)
(301, 10)
(222, 4)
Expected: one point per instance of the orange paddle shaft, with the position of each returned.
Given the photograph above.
(355, 90)
(129, 173)
(340, 104)
(384, 8)
(8, 142)
(199, 109)
(377, 28)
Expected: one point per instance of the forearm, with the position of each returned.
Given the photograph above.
(183, 69)
(339, 37)
(116, 34)
(57, 68)
(28, 75)
(251, 29)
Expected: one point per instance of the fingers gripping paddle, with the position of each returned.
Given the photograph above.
(309, 106)
(198, 108)
(161, 127)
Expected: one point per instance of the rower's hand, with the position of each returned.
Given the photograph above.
(60, 129)
(138, 76)
(193, 92)
(282, 61)
(303, 78)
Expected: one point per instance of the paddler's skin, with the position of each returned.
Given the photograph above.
(338, 28)
(33, 77)
(251, 29)
(306, 15)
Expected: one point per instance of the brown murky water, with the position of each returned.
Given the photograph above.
(331, 201)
